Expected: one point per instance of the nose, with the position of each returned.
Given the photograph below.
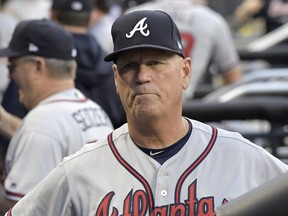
(144, 74)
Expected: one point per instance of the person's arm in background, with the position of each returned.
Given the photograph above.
(232, 75)
(244, 12)
(8, 123)
(225, 55)
(247, 9)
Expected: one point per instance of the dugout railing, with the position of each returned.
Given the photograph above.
(272, 109)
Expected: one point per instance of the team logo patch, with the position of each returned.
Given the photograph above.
(33, 48)
(140, 26)
(77, 5)
(179, 45)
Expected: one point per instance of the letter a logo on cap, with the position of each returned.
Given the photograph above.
(140, 26)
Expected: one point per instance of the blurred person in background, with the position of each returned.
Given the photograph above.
(7, 26)
(94, 76)
(273, 12)
(29, 9)
(60, 119)
(8, 23)
(206, 38)
(252, 18)
(18, 10)
(100, 24)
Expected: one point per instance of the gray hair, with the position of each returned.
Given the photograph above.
(59, 68)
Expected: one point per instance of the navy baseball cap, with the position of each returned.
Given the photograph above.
(73, 5)
(43, 38)
(145, 29)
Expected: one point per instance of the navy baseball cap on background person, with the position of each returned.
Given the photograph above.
(42, 38)
(145, 29)
(73, 5)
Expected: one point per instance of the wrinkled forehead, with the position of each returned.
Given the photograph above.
(144, 53)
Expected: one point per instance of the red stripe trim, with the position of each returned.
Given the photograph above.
(72, 101)
(194, 165)
(132, 171)
(9, 193)
(9, 213)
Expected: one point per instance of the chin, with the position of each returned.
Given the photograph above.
(146, 112)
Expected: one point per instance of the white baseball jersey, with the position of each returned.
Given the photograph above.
(205, 35)
(115, 177)
(57, 127)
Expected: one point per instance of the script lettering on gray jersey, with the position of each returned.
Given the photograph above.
(137, 203)
(90, 117)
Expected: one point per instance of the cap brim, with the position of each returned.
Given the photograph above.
(7, 52)
(113, 56)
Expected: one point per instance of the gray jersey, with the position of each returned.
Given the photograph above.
(57, 127)
(206, 37)
(114, 177)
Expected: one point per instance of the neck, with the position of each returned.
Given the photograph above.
(76, 29)
(158, 134)
(53, 88)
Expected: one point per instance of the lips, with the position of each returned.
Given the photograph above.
(143, 91)
(139, 94)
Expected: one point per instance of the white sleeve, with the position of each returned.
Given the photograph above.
(225, 55)
(270, 167)
(51, 197)
(34, 156)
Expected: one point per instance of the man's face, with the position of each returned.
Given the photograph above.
(150, 82)
(21, 71)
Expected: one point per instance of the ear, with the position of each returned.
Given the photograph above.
(39, 66)
(186, 72)
(115, 70)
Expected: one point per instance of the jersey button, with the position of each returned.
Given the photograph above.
(164, 193)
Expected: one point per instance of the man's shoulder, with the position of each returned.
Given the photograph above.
(100, 147)
(222, 135)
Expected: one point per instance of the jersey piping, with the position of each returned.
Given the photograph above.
(181, 179)
(132, 171)
(67, 100)
(9, 193)
(195, 164)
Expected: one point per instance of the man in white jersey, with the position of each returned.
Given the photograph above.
(206, 39)
(61, 119)
(159, 163)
